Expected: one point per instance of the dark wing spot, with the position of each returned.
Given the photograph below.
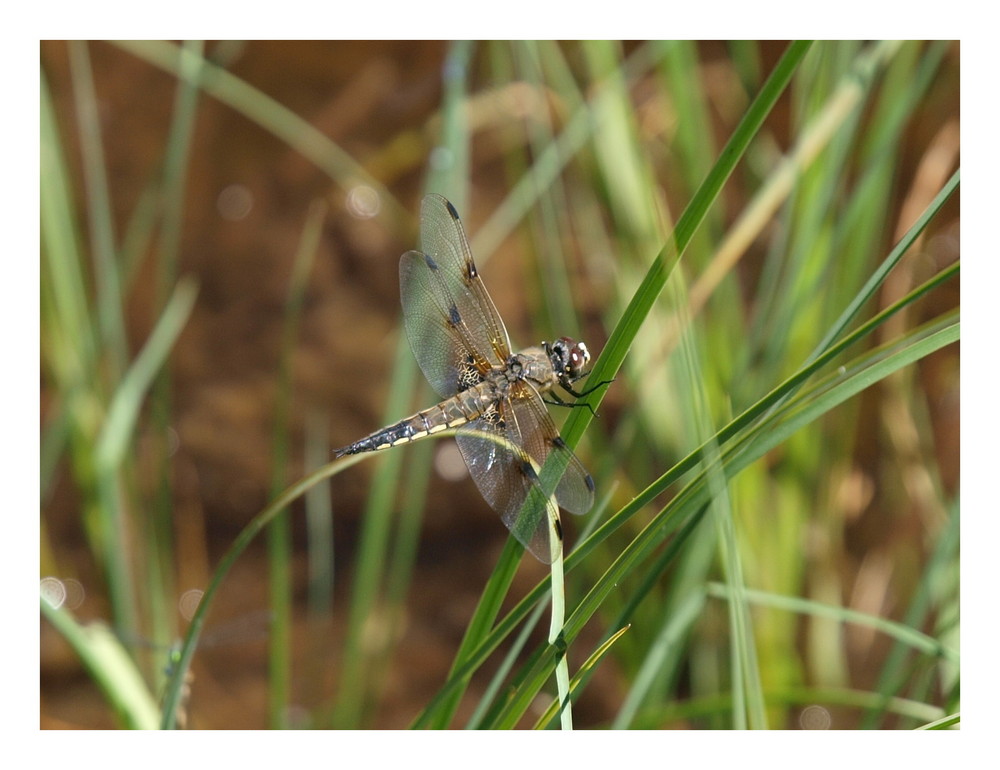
(558, 442)
(558, 529)
(589, 481)
(528, 470)
(470, 270)
(454, 317)
(430, 262)
(451, 210)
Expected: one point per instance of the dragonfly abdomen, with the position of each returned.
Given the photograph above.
(450, 413)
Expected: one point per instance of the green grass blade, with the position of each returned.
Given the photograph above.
(943, 723)
(123, 412)
(110, 666)
(675, 626)
(279, 534)
(108, 290)
(611, 358)
(904, 633)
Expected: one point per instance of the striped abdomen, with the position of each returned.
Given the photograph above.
(451, 413)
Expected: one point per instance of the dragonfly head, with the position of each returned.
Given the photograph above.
(569, 359)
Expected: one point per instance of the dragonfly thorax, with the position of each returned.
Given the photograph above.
(531, 364)
(548, 365)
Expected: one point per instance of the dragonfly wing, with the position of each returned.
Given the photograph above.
(506, 450)
(443, 352)
(507, 479)
(451, 322)
(537, 433)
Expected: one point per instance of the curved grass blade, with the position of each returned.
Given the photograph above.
(905, 634)
(277, 506)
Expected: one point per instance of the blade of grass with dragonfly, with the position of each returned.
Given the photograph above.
(688, 505)
(620, 340)
(947, 335)
(817, 308)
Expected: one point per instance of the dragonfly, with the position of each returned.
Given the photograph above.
(492, 398)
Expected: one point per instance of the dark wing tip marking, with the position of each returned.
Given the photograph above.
(454, 317)
(558, 443)
(430, 262)
(558, 527)
(451, 210)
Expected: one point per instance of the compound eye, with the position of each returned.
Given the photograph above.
(579, 357)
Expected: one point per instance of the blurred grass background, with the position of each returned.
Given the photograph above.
(777, 523)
